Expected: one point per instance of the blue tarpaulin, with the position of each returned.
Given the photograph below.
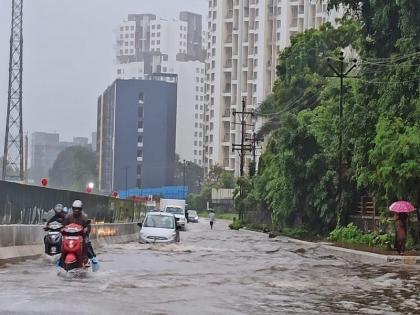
(167, 192)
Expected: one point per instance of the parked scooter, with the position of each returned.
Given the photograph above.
(73, 253)
(52, 239)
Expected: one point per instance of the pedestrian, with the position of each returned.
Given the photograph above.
(211, 218)
(401, 228)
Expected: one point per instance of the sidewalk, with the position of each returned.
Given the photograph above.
(361, 256)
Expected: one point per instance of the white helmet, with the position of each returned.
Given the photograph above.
(77, 204)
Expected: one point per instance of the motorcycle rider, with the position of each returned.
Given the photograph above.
(58, 216)
(77, 216)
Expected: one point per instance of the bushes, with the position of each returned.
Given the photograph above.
(352, 235)
(236, 224)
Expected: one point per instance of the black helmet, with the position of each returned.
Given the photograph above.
(58, 208)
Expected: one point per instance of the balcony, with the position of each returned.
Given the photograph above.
(226, 139)
(229, 14)
(228, 64)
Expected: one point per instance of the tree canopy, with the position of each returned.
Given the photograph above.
(74, 168)
(297, 175)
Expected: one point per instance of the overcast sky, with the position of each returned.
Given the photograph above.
(69, 56)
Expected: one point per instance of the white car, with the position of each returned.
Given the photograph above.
(179, 214)
(159, 227)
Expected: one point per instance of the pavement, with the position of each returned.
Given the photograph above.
(357, 255)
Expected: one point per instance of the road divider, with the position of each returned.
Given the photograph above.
(24, 240)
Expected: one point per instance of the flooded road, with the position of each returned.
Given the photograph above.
(213, 272)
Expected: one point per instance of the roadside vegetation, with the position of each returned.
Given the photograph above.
(297, 176)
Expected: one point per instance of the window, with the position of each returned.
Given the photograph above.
(158, 34)
(119, 71)
(132, 27)
(153, 42)
(195, 143)
(153, 27)
(126, 35)
(140, 124)
(196, 106)
(126, 51)
(140, 139)
(153, 34)
(121, 36)
(122, 28)
(139, 153)
(126, 28)
(196, 134)
(196, 116)
(158, 27)
(132, 35)
(165, 69)
(195, 152)
(140, 112)
(196, 125)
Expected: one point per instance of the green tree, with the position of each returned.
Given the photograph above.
(74, 168)
(194, 175)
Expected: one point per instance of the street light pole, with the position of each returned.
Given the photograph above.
(184, 172)
(340, 74)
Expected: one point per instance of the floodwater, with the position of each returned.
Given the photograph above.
(213, 272)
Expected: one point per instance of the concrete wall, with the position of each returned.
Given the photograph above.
(25, 204)
(20, 240)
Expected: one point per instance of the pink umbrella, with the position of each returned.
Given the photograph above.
(401, 206)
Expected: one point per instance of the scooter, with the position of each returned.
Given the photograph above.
(52, 239)
(73, 254)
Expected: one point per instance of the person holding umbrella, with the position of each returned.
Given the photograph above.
(401, 210)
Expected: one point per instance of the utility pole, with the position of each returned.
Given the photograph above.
(13, 168)
(184, 172)
(26, 158)
(242, 147)
(254, 141)
(341, 73)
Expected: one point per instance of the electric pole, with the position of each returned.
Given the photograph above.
(341, 73)
(13, 168)
(254, 141)
(242, 147)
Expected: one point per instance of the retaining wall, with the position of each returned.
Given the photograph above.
(26, 204)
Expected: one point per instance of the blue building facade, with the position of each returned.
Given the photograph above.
(136, 134)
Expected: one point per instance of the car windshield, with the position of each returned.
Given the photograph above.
(192, 213)
(175, 210)
(159, 221)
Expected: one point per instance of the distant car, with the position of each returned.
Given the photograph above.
(192, 216)
(159, 227)
(179, 215)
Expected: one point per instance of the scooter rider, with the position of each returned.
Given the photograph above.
(77, 216)
(58, 216)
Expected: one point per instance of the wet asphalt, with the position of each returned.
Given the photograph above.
(212, 272)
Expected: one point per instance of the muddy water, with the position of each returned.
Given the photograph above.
(212, 272)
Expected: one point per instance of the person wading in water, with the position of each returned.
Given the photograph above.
(401, 228)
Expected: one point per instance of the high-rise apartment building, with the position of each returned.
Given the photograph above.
(136, 131)
(244, 39)
(150, 45)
